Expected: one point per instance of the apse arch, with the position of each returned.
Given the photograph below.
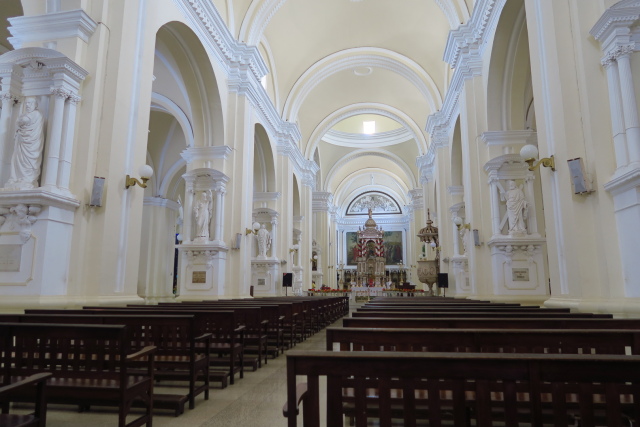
(365, 108)
(361, 57)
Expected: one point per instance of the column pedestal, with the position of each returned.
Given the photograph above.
(202, 271)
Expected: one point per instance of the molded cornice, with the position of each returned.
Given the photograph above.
(51, 26)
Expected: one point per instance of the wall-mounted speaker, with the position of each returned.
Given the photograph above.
(237, 241)
(287, 280)
(443, 280)
(96, 191)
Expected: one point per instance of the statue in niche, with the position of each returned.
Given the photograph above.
(202, 210)
(27, 151)
(517, 208)
(264, 241)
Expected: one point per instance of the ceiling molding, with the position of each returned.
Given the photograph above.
(361, 57)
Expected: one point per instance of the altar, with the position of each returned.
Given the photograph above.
(366, 291)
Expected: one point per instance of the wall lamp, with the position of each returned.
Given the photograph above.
(145, 171)
(314, 258)
(256, 227)
(294, 248)
(530, 154)
(460, 223)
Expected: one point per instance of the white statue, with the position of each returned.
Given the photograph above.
(202, 210)
(264, 241)
(27, 151)
(464, 235)
(517, 208)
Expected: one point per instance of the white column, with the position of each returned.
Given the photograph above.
(631, 121)
(530, 196)
(456, 241)
(6, 143)
(495, 206)
(617, 122)
(219, 210)
(188, 210)
(274, 237)
(68, 134)
(55, 139)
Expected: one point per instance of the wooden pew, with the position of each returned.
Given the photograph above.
(457, 309)
(460, 388)
(464, 313)
(91, 365)
(39, 416)
(492, 323)
(565, 341)
(180, 354)
(227, 338)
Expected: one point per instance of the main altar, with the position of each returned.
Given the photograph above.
(370, 257)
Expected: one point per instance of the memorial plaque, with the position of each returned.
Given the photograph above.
(10, 256)
(262, 282)
(520, 274)
(199, 277)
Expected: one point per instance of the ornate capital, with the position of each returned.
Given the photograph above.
(616, 53)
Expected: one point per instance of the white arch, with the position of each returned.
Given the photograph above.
(166, 105)
(361, 57)
(376, 153)
(455, 15)
(257, 18)
(342, 198)
(366, 108)
(163, 190)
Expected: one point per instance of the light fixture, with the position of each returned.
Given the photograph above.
(256, 227)
(530, 154)
(294, 248)
(460, 223)
(145, 171)
(314, 258)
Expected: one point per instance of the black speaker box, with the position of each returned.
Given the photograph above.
(443, 280)
(287, 280)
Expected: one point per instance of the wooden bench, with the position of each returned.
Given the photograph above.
(462, 389)
(178, 357)
(39, 416)
(226, 338)
(491, 322)
(91, 365)
(565, 341)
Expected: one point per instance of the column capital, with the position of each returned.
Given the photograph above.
(616, 52)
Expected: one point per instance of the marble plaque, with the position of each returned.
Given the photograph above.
(10, 256)
(199, 277)
(520, 274)
(262, 282)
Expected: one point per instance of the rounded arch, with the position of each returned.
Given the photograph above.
(257, 18)
(361, 57)
(182, 63)
(456, 156)
(377, 153)
(354, 185)
(365, 108)
(509, 94)
(164, 104)
(264, 179)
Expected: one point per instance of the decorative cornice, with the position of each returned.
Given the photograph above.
(456, 190)
(192, 154)
(463, 52)
(322, 201)
(161, 202)
(38, 197)
(468, 40)
(621, 15)
(271, 196)
(51, 26)
(42, 63)
(214, 175)
(624, 180)
(509, 137)
(512, 159)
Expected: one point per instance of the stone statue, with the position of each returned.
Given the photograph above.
(202, 210)
(264, 241)
(27, 151)
(464, 235)
(517, 208)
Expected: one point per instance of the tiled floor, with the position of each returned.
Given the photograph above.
(254, 401)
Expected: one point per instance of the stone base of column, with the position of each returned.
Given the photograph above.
(266, 277)
(518, 266)
(461, 285)
(202, 271)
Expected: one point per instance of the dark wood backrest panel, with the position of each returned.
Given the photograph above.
(490, 322)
